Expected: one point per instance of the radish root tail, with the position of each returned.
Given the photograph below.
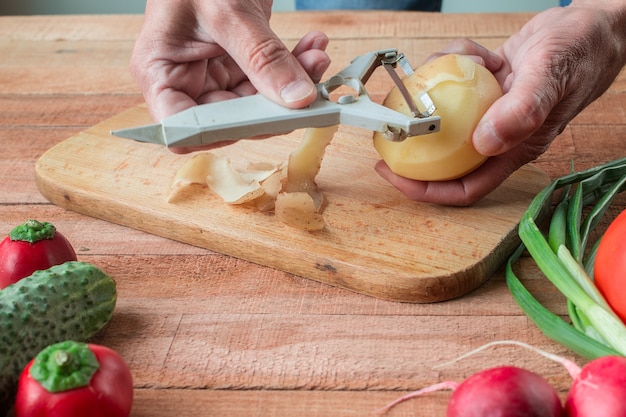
(572, 368)
(447, 385)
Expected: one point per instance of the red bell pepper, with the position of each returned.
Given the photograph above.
(30, 247)
(72, 379)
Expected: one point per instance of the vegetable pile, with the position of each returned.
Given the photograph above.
(596, 307)
(49, 297)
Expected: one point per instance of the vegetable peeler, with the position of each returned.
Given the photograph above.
(256, 115)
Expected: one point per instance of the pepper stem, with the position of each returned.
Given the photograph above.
(62, 358)
(64, 366)
(33, 231)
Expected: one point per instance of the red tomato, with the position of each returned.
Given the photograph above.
(30, 247)
(108, 393)
(610, 266)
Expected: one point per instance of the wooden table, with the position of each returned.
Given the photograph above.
(210, 335)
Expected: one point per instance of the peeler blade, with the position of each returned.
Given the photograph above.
(230, 120)
(149, 133)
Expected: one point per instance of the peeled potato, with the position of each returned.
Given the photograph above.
(462, 91)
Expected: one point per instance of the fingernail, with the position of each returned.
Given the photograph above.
(486, 140)
(296, 91)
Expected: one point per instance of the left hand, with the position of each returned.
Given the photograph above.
(556, 65)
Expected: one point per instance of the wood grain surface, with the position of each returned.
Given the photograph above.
(207, 334)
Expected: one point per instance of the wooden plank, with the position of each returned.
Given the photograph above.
(38, 121)
(353, 352)
(52, 29)
(185, 278)
(271, 291)
(73, 67)
(584, 145)
(386, 24)
(215, 339)
(358, 24)
(66, 67)
(274, 403)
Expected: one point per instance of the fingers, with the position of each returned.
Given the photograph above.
(273, 70)
(167, 102)
(312, 40)
(461, 192)
(518, 114)
(310, 54)
(483, 56)
(530, 95)
(472, 187)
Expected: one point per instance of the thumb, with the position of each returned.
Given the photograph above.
(271, 68)
(515, 116)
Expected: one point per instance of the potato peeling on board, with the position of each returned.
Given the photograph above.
(290, 191)
(233, 186)
(299, 203)
(297, 209)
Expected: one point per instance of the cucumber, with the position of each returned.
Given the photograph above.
(71, 301)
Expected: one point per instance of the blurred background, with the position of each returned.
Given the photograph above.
(29, 7)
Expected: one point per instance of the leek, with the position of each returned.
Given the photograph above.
(565, 260)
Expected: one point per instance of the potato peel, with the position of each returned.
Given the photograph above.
(194, 171)
(297, 209)
(271, 185)
(302, 169)
(258, 171)
(229, 184)
(290, 191)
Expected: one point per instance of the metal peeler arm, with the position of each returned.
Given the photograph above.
(362, 67)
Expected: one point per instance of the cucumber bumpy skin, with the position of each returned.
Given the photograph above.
(71, 301)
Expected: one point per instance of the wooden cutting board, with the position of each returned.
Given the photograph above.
(375, 242)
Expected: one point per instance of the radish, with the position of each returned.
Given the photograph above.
(505, 391)
(599, 389)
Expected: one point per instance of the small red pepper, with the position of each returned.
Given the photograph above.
(72, 379)
(30, 247)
